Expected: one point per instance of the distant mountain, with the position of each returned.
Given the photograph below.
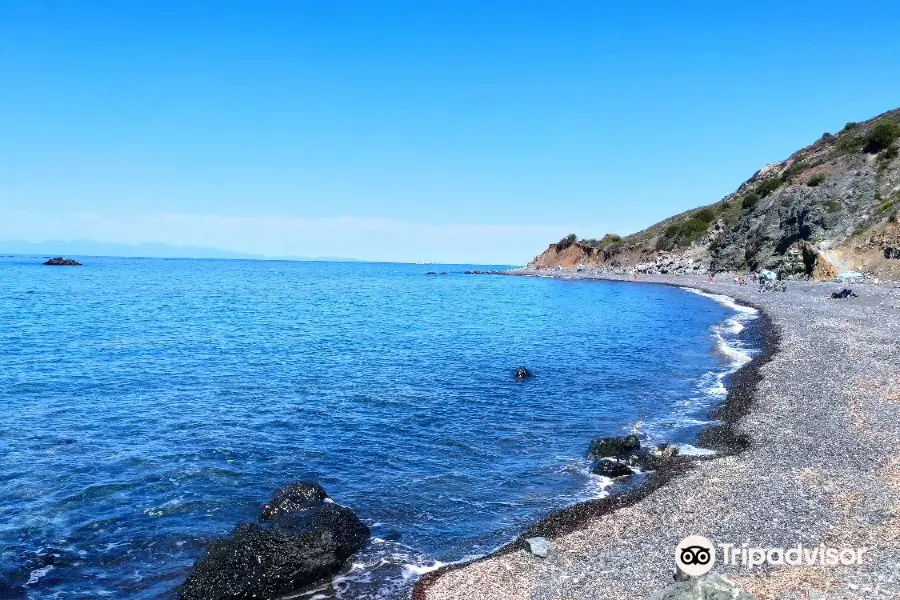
(828, 208)
(148, 250)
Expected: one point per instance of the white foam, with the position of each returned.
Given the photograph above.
(382, 570)
(726, 301)
(727, 331)
(690, 450)
(36, 574)
(710, 390)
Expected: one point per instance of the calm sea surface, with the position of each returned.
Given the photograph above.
(148, 406)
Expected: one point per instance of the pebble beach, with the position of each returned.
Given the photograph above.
(808, 452)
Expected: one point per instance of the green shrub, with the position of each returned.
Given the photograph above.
(815, 180)
(849, 144)
(749, 201)
(566, 242)
(850, 125)
(833, 206)
(606, 240)
(882, 135)
(704, 215)
(768, 186)
(797, 167)
(694, 226)
(687, 230)
(885, 206)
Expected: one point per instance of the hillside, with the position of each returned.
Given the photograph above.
(828, 208)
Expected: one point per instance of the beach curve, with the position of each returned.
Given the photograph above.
(778, 479)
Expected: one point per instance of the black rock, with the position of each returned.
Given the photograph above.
(268, 560)
(292, 498)
(8, 592)
(844, 293)
(610, 467)
(522, 373)
(59, 261)
(614, 446)
(431, 273)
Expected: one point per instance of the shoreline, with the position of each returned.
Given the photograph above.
(720, 437)
(482, 577)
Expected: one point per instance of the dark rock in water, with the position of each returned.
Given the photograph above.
(614, 446)
(443, 272)
(59, 261)
(8, 592)
(844, 293)
(431, 273)
(282, 555)
(610, 467)
(523, 373)
(264, 560)
(292, 498)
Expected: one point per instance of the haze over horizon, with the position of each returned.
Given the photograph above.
(463, 133)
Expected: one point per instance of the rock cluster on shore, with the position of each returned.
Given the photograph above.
(300, 537)
(616, 457)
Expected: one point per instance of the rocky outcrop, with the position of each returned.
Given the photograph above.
(611, 467)
(615, 457)
(292, 498)
(614, 447)
(791, 217)
(301, 537)
(59, 261)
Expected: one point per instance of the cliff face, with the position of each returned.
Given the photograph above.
(828, 208)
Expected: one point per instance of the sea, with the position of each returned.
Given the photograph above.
(151, 405)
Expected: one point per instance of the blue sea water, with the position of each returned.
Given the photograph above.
(149, 405)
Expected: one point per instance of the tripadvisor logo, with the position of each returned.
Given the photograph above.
(695, 555)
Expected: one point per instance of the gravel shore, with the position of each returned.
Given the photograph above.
(823, 467)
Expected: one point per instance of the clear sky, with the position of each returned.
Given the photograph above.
(435, 131)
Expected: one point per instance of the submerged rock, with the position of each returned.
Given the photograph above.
(292, 498)
(59, 261)
(523, 373)
(614, 447)
(300, 539)
(708, 587)
(610, 467)
(9, 592)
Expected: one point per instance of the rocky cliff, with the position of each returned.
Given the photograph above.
(828, 208)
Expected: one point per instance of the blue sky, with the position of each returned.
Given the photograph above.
(451, 131)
